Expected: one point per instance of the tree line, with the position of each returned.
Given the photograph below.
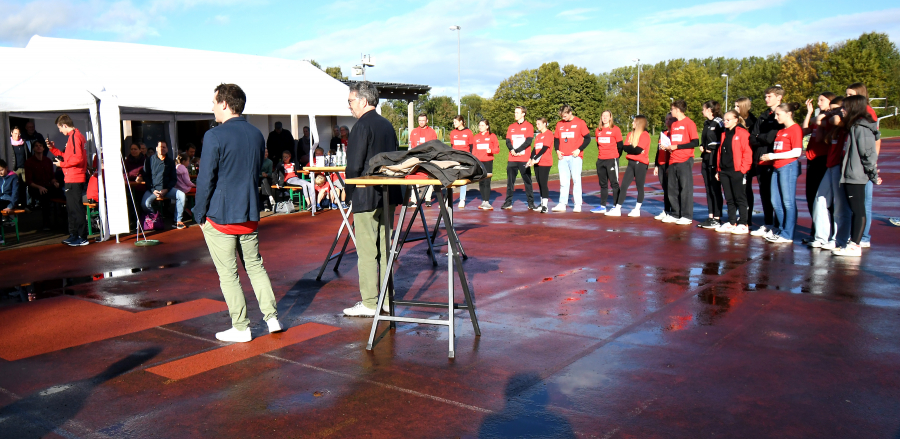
(872, 59)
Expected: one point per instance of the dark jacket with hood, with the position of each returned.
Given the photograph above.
(709, 140)
(860, 160)
(469, 167)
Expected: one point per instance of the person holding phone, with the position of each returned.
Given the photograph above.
(74, 165)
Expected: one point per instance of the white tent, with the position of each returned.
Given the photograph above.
(97, 78)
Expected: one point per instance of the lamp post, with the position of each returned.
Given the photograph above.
(638, 61)
(725, 75)
(458, 75)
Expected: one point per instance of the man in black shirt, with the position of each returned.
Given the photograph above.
(762, 141)
(279, 141)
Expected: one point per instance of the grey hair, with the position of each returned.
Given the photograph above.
(345, 127)
(365, 90)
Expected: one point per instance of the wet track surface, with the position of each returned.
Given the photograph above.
(591, 327)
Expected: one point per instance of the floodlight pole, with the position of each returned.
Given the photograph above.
(725, 75)
(638, 61)
(458, 71)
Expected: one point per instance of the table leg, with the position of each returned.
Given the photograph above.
(450, 282)
(342, 253)
(387, 281)
(331, 251)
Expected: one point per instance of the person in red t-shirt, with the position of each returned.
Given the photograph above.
(486, 145)
(519, 137)
(609, 149)
(572, 136)
(542, 159)
(418, 136)
(816, 151)
(662, 167)
(683, 138)
(787, 147)
(637, 146)
(461, 138)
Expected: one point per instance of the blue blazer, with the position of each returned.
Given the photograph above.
(228, 181)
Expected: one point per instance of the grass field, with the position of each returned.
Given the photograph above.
(890, 133)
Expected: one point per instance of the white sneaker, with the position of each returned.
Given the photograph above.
(778, 239)
(559, 208)
(669, 219)
(662, 215)
(577, 208)
(359, 310)
(830, 245)
(462, 205)
(850, 250)
(816, 244)
(634, 213)
(234, 335)
(684, 221)
(615, 211)
(725, 228)
(741, 229)
(865, 244)
(274, 325)
(761, 231)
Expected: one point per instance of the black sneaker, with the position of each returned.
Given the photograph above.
(710, 223)
(428, 204)
(531, 206)
(506, 206)
(68, 240)
(78, 242)
(544, 209)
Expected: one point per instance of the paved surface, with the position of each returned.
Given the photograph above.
(592, 327)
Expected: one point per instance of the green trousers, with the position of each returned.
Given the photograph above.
(225, 249)
(371, 252)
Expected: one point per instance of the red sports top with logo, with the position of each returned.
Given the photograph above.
(462, 139)
(486, 145)
(517, 133)
(836, 149)
(420, 136)
(683, 131)
(786, 140)
(662, 155)
(816, 146)
(607, 138)
(643, 143)
(544, 142)
(571, 135)
(289, 171)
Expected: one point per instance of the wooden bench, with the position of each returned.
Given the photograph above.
(14, 216)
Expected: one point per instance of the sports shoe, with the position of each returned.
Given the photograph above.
(761, 231)
(669, 219)
(577, 208)
(180, 225)
(851, 249)
(815, 244)
(705, 224)
(615, 211)
(725, 228)
(506, 206)
(487, 206)
(599, 209)
(274, 325)
(544, 209)
(462, 205)
(428, 204)
(79, 242)
(531, 206)
(684, 221)
(741, 229)
(662, 215)
(634, 213)
(68, 240)
(559, 208)
(359, 310)
(830, 245)
(234, 335)
(334, 206)
(895, 221)
(778, 239)
(865, 244)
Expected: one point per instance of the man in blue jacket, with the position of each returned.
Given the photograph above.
(227, 209)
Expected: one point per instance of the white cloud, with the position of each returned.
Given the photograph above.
(20, 22)
(577, 14)
(730, 8)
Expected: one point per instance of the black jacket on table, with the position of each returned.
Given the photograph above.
(372, 134)
(709, 141)
(763, 133)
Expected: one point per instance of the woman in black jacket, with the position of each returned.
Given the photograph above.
(709, 143)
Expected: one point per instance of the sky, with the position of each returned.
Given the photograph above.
(411, 42)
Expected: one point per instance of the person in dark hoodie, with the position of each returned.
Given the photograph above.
(160, 177)
(858, 168)
(713, 128)
(762, 140)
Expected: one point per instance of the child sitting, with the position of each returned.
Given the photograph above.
(323, 189)
(183, 183)
(287, 176)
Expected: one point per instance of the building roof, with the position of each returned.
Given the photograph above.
(396, 90)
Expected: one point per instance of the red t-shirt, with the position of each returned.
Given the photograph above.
(462, 139)
(420, 136)
(787, 140)
(571, 135)
(235, 229)
(871, 112)
(644, 143)
(517, 133)
(289, 171)
(607, 138)
(836, 149)
(662, 155)
(683, 131)
(486, 145)
(544, 142)
(816, 146)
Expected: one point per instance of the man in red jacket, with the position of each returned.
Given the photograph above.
(73, 162)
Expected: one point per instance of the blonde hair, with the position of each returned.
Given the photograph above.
(320, 182)
(612, 122)
(640, 127)
(743, 105)
(739, 118)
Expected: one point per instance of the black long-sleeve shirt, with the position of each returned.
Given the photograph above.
(763, 133)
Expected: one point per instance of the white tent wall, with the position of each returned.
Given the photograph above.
(115, 200)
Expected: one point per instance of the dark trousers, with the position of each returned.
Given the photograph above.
(608, 174)
(512, 169)
(681, 189)
(636, 171)
(542, 173)
(735, 196)
(713, 190)
(75, 208)
(485, 185)
(663, 174)
(815, 172)
(46, 205)
(856, 197)
(764, 179)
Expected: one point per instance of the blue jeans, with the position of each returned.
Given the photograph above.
(832, 227)
(172, 194)
(784, 194)
(866, 236)
(570, 167)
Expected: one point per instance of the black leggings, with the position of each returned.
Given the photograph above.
(764, 179)
(815, 172)
(735, 196)
(664, 182)
(856, 197)
(636, 171)
(542, 173)
(608, 174)
(713, 190)
(485, 185)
